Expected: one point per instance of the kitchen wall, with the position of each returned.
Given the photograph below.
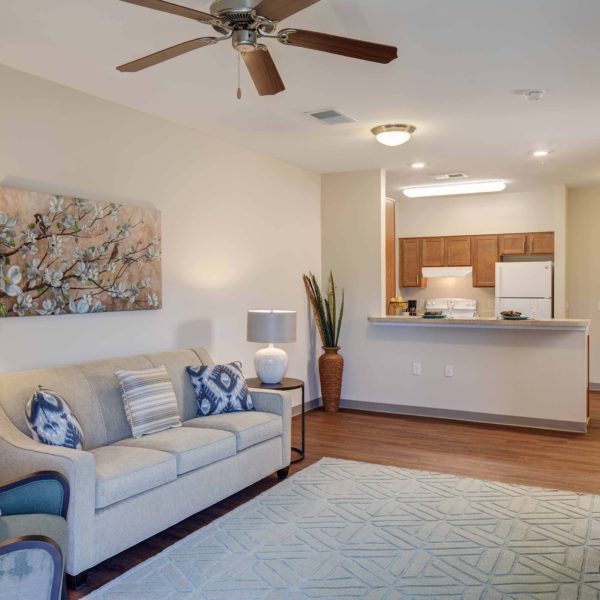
(583, 266)
(543, 209)
(228, 243)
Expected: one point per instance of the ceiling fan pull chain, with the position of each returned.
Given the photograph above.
(239, 88)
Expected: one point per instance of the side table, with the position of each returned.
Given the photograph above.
(286, 384)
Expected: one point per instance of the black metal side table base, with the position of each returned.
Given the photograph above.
(285, 384)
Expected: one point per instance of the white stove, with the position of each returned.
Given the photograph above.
(458, 308)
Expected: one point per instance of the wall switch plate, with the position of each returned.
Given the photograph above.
(449, 371)
(417, 368)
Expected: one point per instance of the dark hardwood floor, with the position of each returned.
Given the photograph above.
(567, 461)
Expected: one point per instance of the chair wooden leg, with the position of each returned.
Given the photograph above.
(283, 473)
(76, 582)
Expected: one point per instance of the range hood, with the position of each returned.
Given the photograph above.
(430, 272)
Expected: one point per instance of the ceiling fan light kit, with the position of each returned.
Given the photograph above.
(393, 135)
(245, 23)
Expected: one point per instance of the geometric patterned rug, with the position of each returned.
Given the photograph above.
(350, 530)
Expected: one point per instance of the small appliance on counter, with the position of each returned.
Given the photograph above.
(457, 308)
(525, 287)
(412, 308)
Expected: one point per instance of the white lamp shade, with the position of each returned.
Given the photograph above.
(271, 326)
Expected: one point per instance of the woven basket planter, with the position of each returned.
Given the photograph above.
(331, 368)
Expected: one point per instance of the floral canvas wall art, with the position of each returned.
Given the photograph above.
(60, 255)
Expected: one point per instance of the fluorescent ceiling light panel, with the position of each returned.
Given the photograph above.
(455, 189)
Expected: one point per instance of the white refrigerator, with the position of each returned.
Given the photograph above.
(525, 287)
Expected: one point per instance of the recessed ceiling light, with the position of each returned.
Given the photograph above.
(418, 165)
(393, 135)
(541, 153)
(455, 189)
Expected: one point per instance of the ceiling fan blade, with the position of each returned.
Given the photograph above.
(334, 44)
(166, 54)
(264, 73)
(277, 10)
(176, 9)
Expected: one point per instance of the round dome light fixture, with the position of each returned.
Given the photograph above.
(393, 135)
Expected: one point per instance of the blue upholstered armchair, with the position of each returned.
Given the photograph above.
(33, 537)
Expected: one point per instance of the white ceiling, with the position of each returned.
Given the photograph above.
(460, 64)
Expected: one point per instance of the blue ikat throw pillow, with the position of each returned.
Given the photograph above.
(220, 389)
(51, 421)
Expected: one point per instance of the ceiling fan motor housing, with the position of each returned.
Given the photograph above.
(244, 40)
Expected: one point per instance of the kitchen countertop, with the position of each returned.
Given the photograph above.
(486, 323)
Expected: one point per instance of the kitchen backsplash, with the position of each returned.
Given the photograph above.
(455, 287)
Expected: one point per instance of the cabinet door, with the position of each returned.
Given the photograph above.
(390, 249)
(540, 243)
(513, 243)
(410, 263)
(485, 256)
(433, 252)
(458, 251)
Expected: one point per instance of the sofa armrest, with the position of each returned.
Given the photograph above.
(277, 403)
(19, 454)
(44, 492)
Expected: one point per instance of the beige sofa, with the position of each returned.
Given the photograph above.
(124, 490)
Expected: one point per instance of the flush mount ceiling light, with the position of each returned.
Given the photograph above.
(418, 165)
(541, 153)
(455, 189)
(393, 135)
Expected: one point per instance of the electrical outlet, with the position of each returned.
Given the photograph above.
(417, 368)
(449, 371)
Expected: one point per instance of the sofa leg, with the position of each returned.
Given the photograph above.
(283, 473)
(76, 582)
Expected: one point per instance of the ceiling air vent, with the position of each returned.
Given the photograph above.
(330, 116)
(447, 176)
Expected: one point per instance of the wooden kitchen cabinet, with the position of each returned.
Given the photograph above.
(458, 251)
(540, 243)
(411, 263)
(433, 254)
(513, 243)
(485, 253)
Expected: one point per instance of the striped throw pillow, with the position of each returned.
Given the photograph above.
(149, 400)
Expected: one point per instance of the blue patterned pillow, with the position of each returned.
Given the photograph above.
(220, 389)
(51, 421)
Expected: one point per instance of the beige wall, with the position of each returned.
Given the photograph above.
(540, 210)
(239, 229)
(583, 266)
(352, 211)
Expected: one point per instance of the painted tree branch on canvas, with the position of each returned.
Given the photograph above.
(61, 255)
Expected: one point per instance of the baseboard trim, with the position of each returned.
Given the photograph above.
(461, 415)
(308, 406)
(595, 387)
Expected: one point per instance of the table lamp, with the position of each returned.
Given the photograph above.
(271, 327)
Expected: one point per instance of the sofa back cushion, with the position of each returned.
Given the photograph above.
(93, 392)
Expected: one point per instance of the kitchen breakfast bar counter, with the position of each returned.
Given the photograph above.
(487, 323)
(531, 373)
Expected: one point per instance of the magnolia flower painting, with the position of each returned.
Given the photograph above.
(61, 255)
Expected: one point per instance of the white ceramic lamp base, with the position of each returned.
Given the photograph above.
(271, 364)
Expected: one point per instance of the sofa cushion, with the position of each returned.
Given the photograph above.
(249, 427)
(51, 526)
(220, 389)
(192, 447)
(149, 401)
(122, 472)
(51, 420)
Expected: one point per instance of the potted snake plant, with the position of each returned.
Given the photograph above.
(329, 324)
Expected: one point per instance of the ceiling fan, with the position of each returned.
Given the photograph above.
(245, 22)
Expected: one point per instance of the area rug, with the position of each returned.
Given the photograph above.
(342, 529)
